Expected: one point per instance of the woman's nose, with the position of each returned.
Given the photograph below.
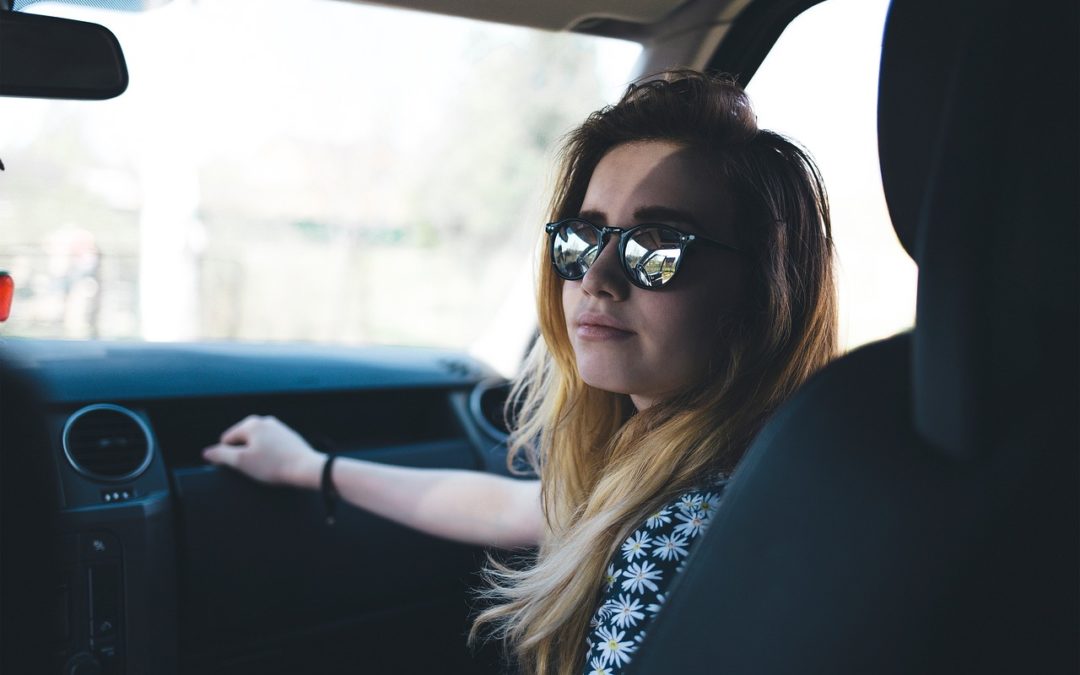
(605, 276)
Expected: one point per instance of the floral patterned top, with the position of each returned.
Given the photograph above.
(639, 575)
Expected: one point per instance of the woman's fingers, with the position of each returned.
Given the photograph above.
(257, 464)
(239, 433)
(229, 455)
(264, 449)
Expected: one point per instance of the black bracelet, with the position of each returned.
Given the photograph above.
(329, 492)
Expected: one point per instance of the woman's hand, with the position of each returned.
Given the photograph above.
(269, 451)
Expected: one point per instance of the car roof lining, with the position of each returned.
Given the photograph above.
(556, 15)
(731, 35)
(723, 35)
(642, 21)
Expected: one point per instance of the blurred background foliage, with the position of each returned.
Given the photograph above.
(406, 227)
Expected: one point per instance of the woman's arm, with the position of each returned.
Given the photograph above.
(466, 506)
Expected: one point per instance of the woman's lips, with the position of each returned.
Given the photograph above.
(587, 331)
(600, 327)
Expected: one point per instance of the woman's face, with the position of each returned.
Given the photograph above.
(652, 343)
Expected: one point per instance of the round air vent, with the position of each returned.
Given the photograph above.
(107, 442)
(486, 404)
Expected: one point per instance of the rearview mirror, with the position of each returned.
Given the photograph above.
(47, 57)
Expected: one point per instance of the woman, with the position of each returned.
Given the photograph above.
(688, 291)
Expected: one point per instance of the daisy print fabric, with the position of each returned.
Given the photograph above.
(635, 583)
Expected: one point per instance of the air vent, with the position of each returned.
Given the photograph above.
(107, 442)
(457, 367)
(486, 404)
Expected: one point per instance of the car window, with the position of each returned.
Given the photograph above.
(819, 86)
(303, 170)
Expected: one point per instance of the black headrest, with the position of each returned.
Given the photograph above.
(977, 128)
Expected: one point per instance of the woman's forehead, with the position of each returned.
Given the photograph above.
(661, 181)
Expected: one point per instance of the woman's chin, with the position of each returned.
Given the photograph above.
(609, 384)
(608, 380)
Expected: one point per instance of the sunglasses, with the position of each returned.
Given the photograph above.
(650, 253)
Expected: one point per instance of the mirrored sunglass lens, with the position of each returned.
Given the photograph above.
(574, 249)
(652, 255)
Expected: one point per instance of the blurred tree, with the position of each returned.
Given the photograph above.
(486, 170)
(49, 184)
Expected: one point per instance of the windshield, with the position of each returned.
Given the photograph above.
(297, 170)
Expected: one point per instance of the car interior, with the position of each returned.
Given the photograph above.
(913, 508)
(928, 520)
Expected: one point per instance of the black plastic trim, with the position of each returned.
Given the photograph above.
(753, 34)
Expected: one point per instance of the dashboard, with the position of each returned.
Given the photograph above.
(170, 565)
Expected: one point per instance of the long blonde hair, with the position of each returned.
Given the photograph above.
(605, 468)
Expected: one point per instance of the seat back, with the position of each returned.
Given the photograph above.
(31, 600)
(913, 508)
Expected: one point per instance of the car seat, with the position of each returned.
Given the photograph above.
(913, 508)
(32, 616)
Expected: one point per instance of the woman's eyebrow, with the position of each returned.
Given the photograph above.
(593, 216)
(655, 213)
(666, 214)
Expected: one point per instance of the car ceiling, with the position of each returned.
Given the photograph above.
(727, 35)
(631, 19)
(552, 15)
(563, 14)
(675, 33)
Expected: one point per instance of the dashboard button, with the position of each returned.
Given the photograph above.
(109, 659)
(104, 599)
(99, 546)
(82, 664)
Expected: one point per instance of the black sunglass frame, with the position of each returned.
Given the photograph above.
(625, 234)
